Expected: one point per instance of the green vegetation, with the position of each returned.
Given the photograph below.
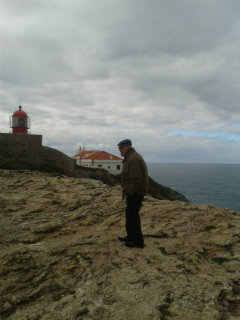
(22, 164)
(16, 164)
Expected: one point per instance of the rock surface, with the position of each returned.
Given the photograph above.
(60, 257)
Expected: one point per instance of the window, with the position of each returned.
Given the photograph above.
(118, 167)
(99, 166)
(18, 121)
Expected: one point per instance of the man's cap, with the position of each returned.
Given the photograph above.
(126, 142)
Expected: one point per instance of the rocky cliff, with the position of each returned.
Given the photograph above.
(60, 258)
(155, 189)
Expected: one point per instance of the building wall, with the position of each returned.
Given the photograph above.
(109, 165)
(29, 147)
(22, 146)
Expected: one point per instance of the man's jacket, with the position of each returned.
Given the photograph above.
(134, 178)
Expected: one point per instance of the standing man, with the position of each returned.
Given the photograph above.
(134, 181)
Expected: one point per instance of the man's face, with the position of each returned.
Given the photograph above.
(123, 149)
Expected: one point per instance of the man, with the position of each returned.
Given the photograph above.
(134, 181)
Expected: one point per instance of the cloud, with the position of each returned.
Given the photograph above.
(211, 135)
(91, 73)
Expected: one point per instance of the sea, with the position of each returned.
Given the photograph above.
(217, 184)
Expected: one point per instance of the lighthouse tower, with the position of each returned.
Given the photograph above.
(19, 121)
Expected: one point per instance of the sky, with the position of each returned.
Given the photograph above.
(89, 73)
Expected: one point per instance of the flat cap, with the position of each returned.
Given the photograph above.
(126, 142)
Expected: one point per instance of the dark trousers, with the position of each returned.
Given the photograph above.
(133, 223)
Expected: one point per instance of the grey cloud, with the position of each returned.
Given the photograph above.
(105, 70)
(176, 27)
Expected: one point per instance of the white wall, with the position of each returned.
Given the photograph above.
(109, 165)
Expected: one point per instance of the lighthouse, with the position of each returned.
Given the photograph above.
(19, 121)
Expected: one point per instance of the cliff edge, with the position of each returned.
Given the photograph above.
(60, 258)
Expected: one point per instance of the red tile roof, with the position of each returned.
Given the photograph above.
(96, 155)
(83, 153)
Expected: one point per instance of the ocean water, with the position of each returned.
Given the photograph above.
(217, 184)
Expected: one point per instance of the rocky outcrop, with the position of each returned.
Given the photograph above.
(161, 192)
(155, 189)
(60, 257)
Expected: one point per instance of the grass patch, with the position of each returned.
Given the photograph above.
(23, 164)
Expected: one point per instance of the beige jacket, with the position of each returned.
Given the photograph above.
(134, 178)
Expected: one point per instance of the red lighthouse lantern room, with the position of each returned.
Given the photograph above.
(19, 121)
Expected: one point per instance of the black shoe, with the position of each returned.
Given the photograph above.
(123, 239)
(132, 244)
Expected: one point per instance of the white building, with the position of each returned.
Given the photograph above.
(99, 159)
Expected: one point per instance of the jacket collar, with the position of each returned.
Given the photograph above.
(130, 151)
